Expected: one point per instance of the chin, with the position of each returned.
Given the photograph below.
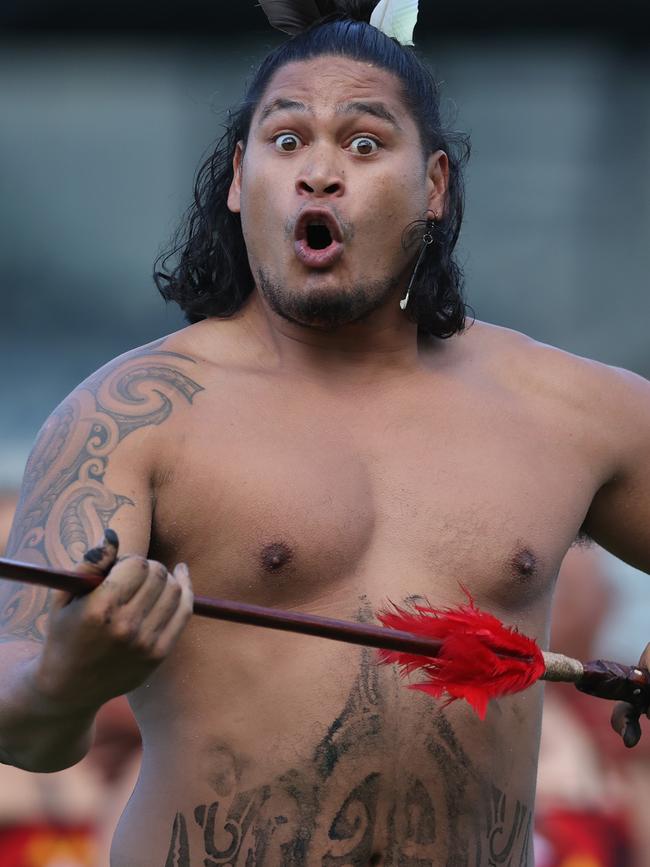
(325, 302)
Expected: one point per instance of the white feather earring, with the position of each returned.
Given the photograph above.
(396, 18)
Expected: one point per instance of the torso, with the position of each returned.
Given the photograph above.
(264, 748)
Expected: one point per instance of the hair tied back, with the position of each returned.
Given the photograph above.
(395, 18)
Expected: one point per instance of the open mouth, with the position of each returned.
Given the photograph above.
(318, 239)
(318, 236)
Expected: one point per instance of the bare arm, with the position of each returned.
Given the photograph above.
(91, 468)
(619, 517)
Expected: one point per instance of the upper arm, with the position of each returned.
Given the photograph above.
(619, 517)
(91, 467)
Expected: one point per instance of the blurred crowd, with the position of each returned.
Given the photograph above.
(593, 795)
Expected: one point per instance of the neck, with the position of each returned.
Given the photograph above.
(384, 343)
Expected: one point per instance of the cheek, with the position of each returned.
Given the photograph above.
(387, 219)
(264, 209)
(258, 217)
(395, 203)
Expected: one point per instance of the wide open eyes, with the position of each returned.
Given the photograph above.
(366, 147)
(287, 142)
(361, 145)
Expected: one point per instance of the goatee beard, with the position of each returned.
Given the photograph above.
(325, 309)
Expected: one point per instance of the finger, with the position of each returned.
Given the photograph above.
(149, 592)
(164, 609)
(625, 722)
(125, 579)
(644, 663)
(98, 561)
(183, 612)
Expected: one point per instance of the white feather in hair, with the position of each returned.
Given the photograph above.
(396, 18)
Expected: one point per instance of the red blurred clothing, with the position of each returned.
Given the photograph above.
(585, 807)
(571, 838)
(48, 845)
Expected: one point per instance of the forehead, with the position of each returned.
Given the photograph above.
(324, 82)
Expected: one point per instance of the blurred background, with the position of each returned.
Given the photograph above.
(106, 110)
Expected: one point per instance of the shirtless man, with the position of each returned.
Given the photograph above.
(314, 450)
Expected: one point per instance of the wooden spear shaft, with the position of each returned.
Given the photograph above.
(365, 634)
(608, 680)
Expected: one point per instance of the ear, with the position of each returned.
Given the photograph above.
(234, 193)
(437, 182)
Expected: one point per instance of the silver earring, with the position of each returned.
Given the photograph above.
(427, 239)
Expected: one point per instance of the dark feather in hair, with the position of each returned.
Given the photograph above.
(294, 16)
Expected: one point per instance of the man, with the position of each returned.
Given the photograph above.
(307, 443)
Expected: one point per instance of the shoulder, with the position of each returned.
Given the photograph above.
(171, 352)
(520, 361)
(135, 391)
(97, 455)
(607, 402)
(140, 386)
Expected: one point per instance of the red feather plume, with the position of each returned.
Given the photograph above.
(481, 658)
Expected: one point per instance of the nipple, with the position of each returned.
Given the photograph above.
(275, 556)
(524, 563)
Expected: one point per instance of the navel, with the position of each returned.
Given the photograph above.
(275, 556)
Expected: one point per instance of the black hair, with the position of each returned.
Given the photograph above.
(212, 276)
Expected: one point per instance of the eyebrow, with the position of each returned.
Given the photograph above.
(375, 109)
(281, 104)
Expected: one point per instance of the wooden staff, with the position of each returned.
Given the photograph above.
(600, 678)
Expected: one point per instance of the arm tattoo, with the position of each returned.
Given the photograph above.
(64, 505)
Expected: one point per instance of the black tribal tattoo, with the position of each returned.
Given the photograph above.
(65, 505)
(439, 812)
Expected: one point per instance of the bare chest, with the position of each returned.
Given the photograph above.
(285, 501)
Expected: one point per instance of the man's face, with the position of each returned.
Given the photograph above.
(332, 143)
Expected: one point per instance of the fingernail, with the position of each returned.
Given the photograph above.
(94, 555)
(182, 569)
(630, 736)
(110, 536)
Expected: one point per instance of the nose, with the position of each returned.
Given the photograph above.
(319, 178)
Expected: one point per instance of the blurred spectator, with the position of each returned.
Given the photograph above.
(67, 819)
(592, 810)
(8, 501)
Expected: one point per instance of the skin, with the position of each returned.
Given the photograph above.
(327, 470)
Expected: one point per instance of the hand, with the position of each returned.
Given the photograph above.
(109, 641)
(625, 716)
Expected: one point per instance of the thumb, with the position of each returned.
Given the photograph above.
(625, 722)
(97, 562)
(625, 716)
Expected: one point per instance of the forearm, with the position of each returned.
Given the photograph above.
(37, 733)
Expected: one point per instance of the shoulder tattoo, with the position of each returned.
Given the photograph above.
(64, 505)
